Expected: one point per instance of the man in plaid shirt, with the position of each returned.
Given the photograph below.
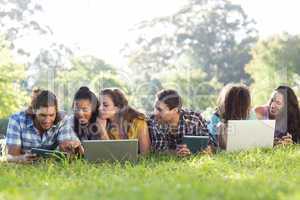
(170, 123)
(42, 128)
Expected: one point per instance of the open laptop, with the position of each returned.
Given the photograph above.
(246, 134)
(110, 150)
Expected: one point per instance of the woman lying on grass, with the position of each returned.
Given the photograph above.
(234, 103)
(283, 107)
(120, 121)
(84, 121)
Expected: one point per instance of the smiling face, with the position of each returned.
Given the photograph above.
(83, 110)
(277, 104)
(45, 117)
(107, 108)
(163, 113)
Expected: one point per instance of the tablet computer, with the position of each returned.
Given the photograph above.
(48, 153)
(195, 143)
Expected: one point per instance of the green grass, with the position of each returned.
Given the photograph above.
(255, 174)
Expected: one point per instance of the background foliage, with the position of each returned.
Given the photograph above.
(197, 50)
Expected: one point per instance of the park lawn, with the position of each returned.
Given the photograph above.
(255, 174)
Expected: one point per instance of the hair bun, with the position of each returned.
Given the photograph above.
(84, 88)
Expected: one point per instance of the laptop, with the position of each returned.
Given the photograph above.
(247, 134)
(110, 150)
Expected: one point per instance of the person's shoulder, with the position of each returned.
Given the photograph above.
(63, 117)
(150, 118)
(139, 121)
(192, 115)
(215, 118)
(62, 114)
(190, 112)
(19, 116)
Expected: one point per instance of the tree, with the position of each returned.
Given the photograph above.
(17, 20)
(142, 92)
(197, 93)
(12, 95)
(275, 61)
(217, 34)
(86, 71)
(47, 63)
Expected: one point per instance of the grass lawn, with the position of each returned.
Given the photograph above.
(255, 174)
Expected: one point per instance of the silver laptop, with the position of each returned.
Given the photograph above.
(246, 134)
(110, 150)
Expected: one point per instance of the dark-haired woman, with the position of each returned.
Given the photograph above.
(120, 121)
(283, 107)
(85, 108)
(234, 103)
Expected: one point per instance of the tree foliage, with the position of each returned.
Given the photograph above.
(275, 61)
(197, 93)
(12, 75)
(85, 71)
(17, 20)
(217, 34)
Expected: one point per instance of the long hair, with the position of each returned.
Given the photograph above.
(84, 93)
(234, 102)
(126, 114)
(290, 111)
(35, 92)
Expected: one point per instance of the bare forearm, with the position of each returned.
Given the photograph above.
(15, 155)
(144, 142)
(14, 150)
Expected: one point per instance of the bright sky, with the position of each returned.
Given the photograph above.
(273, 16)
(100, 27)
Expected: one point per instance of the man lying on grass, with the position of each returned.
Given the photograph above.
(43, 128)
(170, 123)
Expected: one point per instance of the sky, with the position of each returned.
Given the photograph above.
(273, 16)
(101, 27)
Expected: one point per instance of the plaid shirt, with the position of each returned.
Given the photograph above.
(21, 132)
(164, 137)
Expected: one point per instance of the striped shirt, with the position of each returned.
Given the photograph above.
(22, 132)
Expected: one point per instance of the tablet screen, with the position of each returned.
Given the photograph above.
(195, 143)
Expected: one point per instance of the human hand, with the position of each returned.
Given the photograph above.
(285, 140)
(71, 147)
(209, 150)
(182, 150)
(102, 123)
